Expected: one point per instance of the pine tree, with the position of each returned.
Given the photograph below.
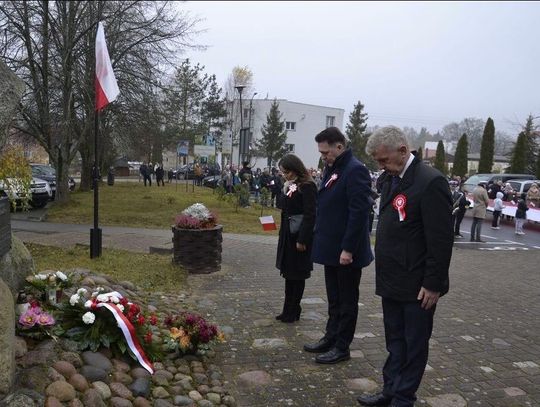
(487, 147)
(272, 143)
(518, 162)
(356, 133)
(440, 162)
(420, 153)
(531, 146)
(460, 158)
(537, 173)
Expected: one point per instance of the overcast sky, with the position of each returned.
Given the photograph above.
(410, 63)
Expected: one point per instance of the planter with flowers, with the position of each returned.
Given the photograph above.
(197, 240)
(190, 333)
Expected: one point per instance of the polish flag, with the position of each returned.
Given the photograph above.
(106, 86)
(268, 223)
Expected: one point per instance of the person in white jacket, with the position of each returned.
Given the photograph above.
(498, 206)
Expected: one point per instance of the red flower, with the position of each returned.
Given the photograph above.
(141, 320)
(123, 301)
(34, 304)
(148, 337)
(153, 320)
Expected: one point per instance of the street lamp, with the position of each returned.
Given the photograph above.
(250, 110)
(240, 88)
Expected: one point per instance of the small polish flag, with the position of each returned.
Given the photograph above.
(106, 86)
(268, 223)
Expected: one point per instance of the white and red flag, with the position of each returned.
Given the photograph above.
(106, 86)
(268, 223)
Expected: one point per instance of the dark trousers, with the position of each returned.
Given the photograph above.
(147, 178)
(457, 218)
(407, 330)
(294, 290)
(476, 229)
(342, 291)
(495, 221)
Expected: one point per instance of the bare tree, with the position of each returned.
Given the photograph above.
(51, 46)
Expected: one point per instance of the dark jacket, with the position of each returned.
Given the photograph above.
(343, 207)
(415, 252)
(522, 208)
(295, 265)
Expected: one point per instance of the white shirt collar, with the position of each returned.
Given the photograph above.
(409, 162)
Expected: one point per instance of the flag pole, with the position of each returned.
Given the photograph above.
(95, 233)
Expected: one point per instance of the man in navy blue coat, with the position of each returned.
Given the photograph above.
(341, 241)
(412, 257)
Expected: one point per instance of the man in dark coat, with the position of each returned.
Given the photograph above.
(341, 241)
(412, 256)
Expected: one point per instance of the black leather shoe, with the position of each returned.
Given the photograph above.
(278, 317)
(324, 345)
(334, 355)
(378, 399)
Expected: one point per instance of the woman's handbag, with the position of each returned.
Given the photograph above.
(294, 223)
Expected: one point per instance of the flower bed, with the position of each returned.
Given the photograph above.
(95, 318)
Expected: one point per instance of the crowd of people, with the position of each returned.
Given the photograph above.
(479, 199)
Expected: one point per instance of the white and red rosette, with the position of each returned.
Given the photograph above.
(292, 189)
(125, 325)
(399, 203)
(331, 180)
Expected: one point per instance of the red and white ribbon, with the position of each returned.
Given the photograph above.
(399, 203)
(128, 330)
(331, 180)
(292, 189)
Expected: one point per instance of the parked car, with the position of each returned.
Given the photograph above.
(184, 172)
(474, 180)
(48, 173)
(212, 181)
(522, 186)
(40, 191)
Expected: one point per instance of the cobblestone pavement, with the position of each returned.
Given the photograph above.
(485, 349)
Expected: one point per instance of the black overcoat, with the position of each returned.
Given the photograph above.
(295, 265)
(416, 251)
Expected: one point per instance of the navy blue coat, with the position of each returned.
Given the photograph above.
(343, 207)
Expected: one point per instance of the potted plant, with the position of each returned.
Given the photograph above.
(197, 240)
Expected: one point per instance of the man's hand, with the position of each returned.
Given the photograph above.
(346, 258)
(300, 247)
(429, 298)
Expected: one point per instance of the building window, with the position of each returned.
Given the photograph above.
(291, 126)
(330, 121)
(246, 113)
(290, 148)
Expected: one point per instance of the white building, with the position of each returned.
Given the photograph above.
(302, 123)
(430, 148)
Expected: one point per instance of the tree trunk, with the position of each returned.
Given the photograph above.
(86, 170)
(62, 176)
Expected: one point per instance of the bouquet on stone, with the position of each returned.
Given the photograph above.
(190, 333)
(197, 216)
(110, 320)
(37, 323)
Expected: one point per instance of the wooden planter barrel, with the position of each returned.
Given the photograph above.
(198, 250)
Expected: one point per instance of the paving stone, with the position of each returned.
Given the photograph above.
(363, 385)
(447, 400)
(256, 378)
(269, 343)
(312, 301)
(514, 391)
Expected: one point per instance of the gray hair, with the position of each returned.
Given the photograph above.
(389, 136)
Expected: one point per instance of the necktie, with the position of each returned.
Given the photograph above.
(395, 183)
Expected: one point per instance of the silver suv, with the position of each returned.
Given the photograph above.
(39, 188)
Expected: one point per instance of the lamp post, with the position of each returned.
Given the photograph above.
(240, 88)
(250, 109)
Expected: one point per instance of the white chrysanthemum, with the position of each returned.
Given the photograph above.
(198, 211)
(61, 275)
(89, 318)
(114, 299)
(82, 291)
(120, 307)
(100, 289)
(102, 298)
(88, 304)
(74, 299)
(41, 276)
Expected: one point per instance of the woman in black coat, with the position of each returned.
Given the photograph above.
(297, 203)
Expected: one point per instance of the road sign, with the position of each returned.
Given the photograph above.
(227, 144)
(203, 150)
(182, 148)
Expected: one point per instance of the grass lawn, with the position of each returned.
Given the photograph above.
(133, 205)
(148, 271)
